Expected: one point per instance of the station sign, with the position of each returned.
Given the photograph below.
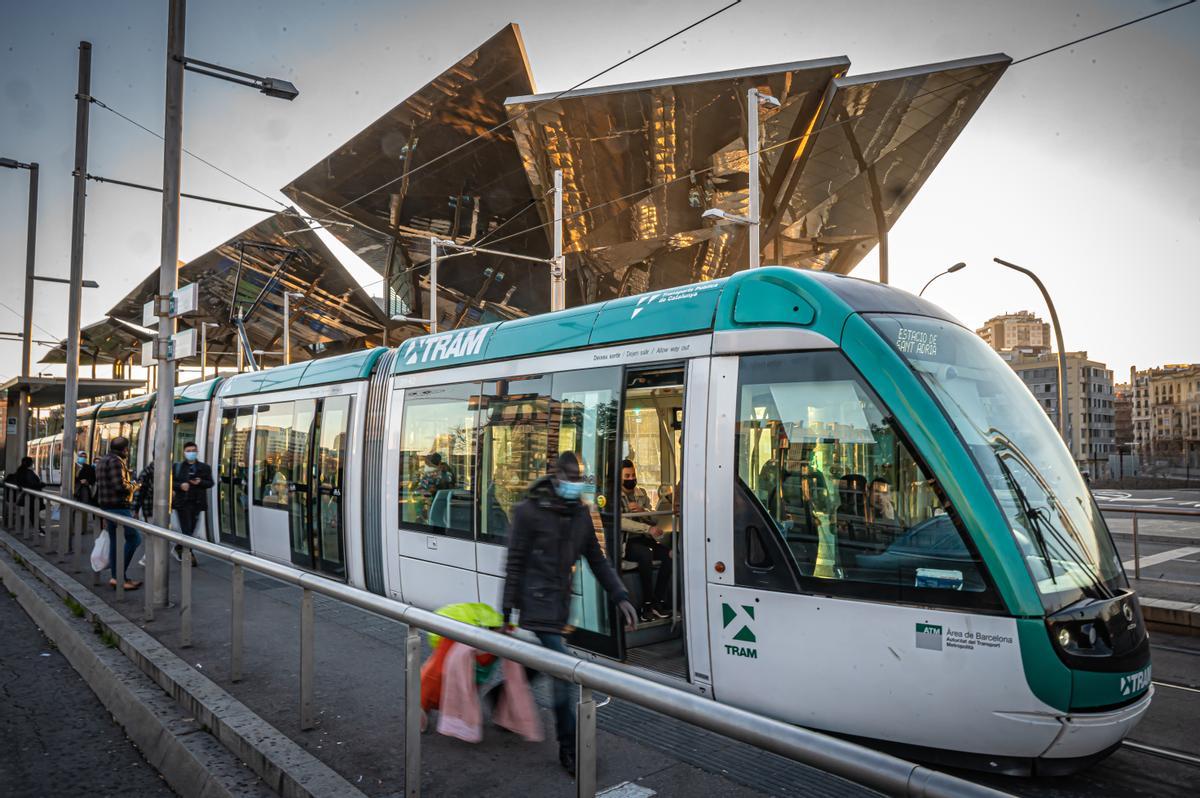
(182, 345)
(184, 300)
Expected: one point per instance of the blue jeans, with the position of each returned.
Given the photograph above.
(564, 702)
(133, 539)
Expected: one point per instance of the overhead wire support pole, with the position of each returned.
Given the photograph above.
(167, 283)
(433, 284)
(27, 321)
(752, 146)
(558, 278)
(74, 301)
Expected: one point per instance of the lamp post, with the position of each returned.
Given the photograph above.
(287, 324)
(204, 325)
(955, 268)
(177, 62)
(1064, 427)
(754, 100)
(27, 322)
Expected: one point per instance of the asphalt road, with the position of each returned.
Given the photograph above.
(56, 738)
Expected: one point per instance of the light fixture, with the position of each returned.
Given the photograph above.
(767, 101)
(716, 214)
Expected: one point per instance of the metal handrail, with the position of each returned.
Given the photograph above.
(848, 760)
(1135, 511)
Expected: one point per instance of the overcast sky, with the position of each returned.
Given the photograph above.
(1083, 165)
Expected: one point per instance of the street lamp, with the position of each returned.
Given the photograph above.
(1063, 395)
(955, 268)
(176, 63)
(755, 100)
(27, 322)
(287, 323)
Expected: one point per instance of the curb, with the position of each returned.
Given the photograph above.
(248, 741)
(1173, 617)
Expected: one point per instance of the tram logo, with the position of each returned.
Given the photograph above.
(739, 618)
(435, 348)
(929, 636)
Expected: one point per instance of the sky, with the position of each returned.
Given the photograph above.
(1083, 165)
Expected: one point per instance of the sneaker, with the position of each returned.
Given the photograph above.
(659, 612)
(566, 758)
(176, 553)
(647, 614)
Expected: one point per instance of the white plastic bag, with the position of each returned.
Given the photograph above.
(101, 553)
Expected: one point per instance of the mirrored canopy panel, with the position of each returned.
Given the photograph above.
(103, 342)
(465, 196)
(251, 271)
(878, 139)
(641, 162)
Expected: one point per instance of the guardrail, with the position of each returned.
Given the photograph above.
(1135, 511)
(848, 760)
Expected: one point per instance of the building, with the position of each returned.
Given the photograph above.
(1166, 414)
(1020, 330)
(1123, 416)
(1090, 412)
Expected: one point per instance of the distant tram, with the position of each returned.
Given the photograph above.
(874, 529)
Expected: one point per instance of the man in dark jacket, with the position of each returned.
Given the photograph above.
(191, 479)
(27, 477)
(114, 492)
(551, 529)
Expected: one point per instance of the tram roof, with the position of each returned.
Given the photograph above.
(340, 368)
(767, 297)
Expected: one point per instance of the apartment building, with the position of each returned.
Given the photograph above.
(1013, 331)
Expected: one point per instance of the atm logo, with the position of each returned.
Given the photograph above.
(929, 636)
(437, 348)
(738, 620)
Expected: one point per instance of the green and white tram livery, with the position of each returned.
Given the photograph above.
(870, 526)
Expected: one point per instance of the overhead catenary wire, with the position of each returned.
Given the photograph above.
(506, 123)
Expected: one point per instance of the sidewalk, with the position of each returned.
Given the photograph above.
(359, 705)
(56, 738)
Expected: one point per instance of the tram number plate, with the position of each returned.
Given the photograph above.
(1135, 682)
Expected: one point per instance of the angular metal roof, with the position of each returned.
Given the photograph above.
(251, 271)
(642, 162)
(462, 196)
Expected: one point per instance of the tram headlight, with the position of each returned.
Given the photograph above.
(1064, 637)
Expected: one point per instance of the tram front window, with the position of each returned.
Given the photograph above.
(851, 510)
(1057, 525)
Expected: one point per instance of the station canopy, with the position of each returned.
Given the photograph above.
(641, 162)
(108, 341)
(250, 272)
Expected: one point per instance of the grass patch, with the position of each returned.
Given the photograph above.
(108, 638)
(74, 606)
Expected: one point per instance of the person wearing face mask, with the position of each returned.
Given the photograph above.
(192, 479)
(643, 545)
(85, 479)
(551, 529)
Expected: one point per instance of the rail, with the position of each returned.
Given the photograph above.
(1135, 511)
(848, 760)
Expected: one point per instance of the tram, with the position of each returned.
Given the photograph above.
(871, 527)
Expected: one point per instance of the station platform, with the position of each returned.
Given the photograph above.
(360, 696)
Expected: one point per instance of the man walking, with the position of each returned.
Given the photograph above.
(192, 479)
(551, 529)
(27, 477)
(114, 493)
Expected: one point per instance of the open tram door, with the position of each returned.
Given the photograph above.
(647, 526)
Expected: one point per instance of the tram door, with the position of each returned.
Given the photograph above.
(650, 515)
(233, 499)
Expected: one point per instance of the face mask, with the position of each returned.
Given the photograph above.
(81, 459)
(629, 484)
(569, 490)
(191, 456)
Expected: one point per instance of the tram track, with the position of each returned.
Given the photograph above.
(1162, 753)
(1195, 652)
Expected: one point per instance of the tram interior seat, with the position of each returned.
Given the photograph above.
(452, 508)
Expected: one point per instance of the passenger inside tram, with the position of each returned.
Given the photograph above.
(644, 546)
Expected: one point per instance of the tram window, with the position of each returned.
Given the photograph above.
(281, 443)
(331, 465)
(437, 459)
(519, 418)
(854, 511)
